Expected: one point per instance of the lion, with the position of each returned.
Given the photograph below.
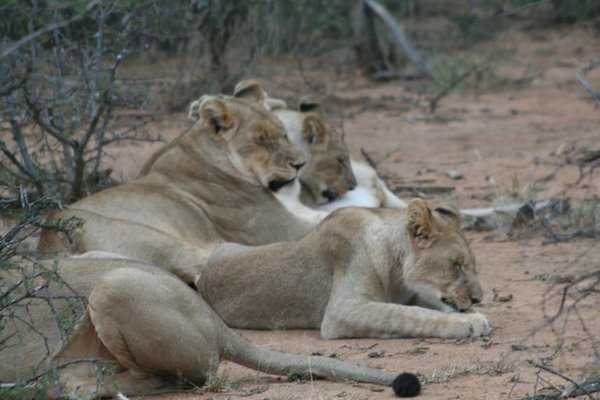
(327, 173)
(327, 181)
(318, 143)
(213, 184)
(136, 330)
(331, 179)
(362, 272)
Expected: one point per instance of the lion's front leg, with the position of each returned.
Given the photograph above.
(350, 318)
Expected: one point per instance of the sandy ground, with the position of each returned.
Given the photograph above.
(492, 139)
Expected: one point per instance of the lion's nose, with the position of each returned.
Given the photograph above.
(297, 166)
(329, 194)
(475, 300)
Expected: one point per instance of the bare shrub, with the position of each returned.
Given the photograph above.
(59, 91)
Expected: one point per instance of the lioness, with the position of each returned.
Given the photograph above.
(330, 178)
(213, 184)
(144, 325)
(327, 174)
(360, 273)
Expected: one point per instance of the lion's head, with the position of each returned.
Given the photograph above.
(327, 173)
(256, 141)
(442, 269)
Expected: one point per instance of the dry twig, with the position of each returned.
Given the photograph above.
(455, 82)
(584, 388)
(583, 81)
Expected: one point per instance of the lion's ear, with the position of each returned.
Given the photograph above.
(314, 130)
(216, 116)
(311, 105)
(249, 90)
(193, 109)
(450, 211)
(419, 223)
(275, 104)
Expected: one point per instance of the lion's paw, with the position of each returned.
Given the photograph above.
(470, 325)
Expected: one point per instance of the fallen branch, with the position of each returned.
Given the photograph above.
(553, 372)
(580, 75)
(519, 214)
(522, 8)
(507, 208)
(590, 162)
(593, 156)
(565, 237)
(400, 37)
(584, 388)
(424, 189)
(369, 159)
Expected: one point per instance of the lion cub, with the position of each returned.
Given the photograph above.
(360, 273)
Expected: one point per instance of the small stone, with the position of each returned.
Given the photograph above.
(454, 174)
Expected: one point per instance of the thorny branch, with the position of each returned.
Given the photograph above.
(66, 103)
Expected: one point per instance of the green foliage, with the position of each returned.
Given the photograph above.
(575, 9)
(471, 25)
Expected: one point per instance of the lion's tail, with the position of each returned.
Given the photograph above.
(272, 362)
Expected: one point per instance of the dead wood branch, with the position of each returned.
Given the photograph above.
(400, 37)
(580, 388)
(519, 214)
(369, 159)
(425, 192)
(507, 208)
(553, 372)
(580, 75)
(522, 8)
(373, 164)
(565, 237)
(11, 84)
(369, 54)
(589, 161)
(593, 156)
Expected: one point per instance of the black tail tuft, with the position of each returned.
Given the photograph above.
(406, 385)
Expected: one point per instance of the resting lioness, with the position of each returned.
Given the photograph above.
(360, 273)
(327, 174)
(213, 184)
(331, 179)
(138, 330)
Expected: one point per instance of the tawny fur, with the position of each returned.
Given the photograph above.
(360, 273)
(144, 325)
(329, 167)
(208, 186)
